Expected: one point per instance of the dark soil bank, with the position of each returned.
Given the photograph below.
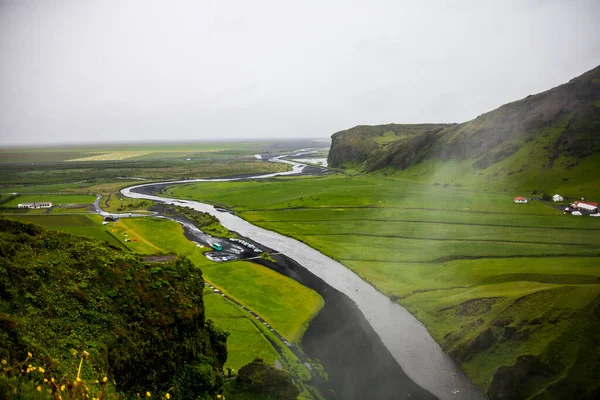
(358, 364)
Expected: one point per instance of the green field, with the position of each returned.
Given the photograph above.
(245, 341)
(55, 199)
(490, 279)
(143, 151)
(53, 169)
(283, 303)
(82, 225)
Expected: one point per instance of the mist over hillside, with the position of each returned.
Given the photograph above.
(550, 132)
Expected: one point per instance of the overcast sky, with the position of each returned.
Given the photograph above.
(109, 70)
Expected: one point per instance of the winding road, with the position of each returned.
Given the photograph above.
(410, 344)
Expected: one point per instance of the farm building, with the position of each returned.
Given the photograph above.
(520, 199)
(587, 206)
(557, 197)
(40, 204)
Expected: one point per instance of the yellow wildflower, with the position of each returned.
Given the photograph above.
(3, 362)
(42, 370)
(29, 366)
(52, 380)
(39, 388)
(45, 380)
(168, 396)
(78, 379)
(148, 394)
(104, 379)
(28, 370)
(62, 388)
(29, 354)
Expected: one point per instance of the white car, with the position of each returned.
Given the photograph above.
(578, 213)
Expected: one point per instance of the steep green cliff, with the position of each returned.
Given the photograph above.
(142, 324)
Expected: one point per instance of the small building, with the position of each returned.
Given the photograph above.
(586, 206)
(557, 197)
(520, 199)
(40, 204)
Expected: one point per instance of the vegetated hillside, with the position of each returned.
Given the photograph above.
(142, 324)
(553, 131)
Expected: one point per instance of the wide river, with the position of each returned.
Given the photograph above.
(405, 337)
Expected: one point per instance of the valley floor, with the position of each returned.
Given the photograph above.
(492, 280)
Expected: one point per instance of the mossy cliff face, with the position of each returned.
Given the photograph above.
(143, 324)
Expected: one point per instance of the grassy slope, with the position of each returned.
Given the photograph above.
(62, 294)
(528, 169)
(459, 260)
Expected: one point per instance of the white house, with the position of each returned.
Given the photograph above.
(557, 197)
(41, 204)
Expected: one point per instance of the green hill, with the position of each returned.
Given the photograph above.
(548, 141)
(142, 324)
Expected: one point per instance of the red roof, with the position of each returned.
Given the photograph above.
(520, 198)
(589, 203)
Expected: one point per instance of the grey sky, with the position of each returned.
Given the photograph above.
(163, 70)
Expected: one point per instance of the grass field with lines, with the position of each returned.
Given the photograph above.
(490, 279)
(55, 199)
(82, 225)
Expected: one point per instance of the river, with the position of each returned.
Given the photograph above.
(411, 345)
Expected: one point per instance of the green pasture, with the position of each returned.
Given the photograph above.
(245, 341)
(283, 303)
(352, 191)
(75, 173)
(76, 224)
(279, 296)
(55, 199)
(286, 305)
(471, 265)
(153, 151)
(248, 339)
(43, 188)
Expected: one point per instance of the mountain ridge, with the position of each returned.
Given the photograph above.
(564, 121)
